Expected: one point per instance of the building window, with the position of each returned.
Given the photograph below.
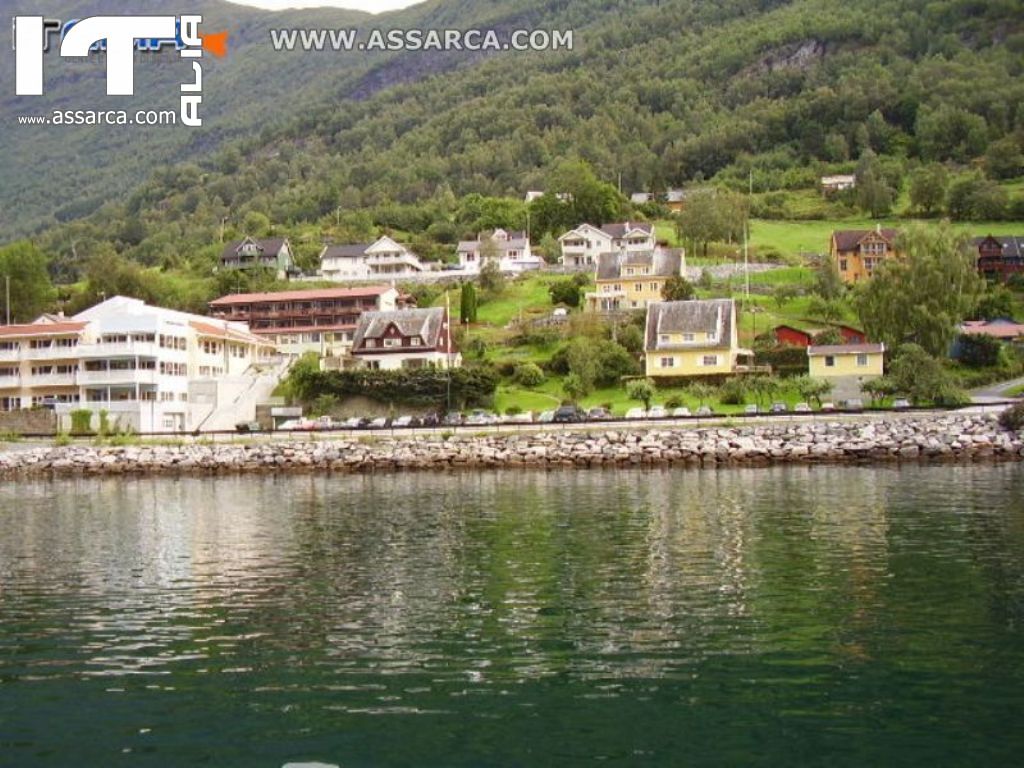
(655, 287)
(842, 265)
(638, 287)
(663, 338)
(830, 362)
(862, 360)
(668, 362)
(688, 337)
(415, 341)
(710, 360)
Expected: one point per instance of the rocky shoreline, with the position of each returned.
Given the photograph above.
(949, 437)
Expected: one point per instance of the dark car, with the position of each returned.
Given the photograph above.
(431, 420)
(569, 414)
(248, 426)
(854, 405)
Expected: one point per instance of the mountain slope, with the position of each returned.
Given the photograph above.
(655, 93)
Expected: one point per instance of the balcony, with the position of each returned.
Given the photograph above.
(10, 382)
(51, 353)
(124, 349)
(53, 380)
(10, 355)
(119, 376)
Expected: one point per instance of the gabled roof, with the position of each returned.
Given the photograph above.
(640, 198)
(663, 263)
(849, 239)
(351, 251)
(1012, 245)
(516, 242)
(267, 245)
(46, 328)
(712, 316)
(846, 349)
(621, 229)
(314, 294)
(425, 323)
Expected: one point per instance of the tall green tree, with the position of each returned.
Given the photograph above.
(922, 297)
(874, 195)
(31, 291)
(928, 185)
(467, 304)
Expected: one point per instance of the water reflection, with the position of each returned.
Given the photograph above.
(297, 606)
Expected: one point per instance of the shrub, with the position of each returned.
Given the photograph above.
(674, 402)
(81, 421)
(528, 375)
(513, 410)
(733, 392)
(1013, 417)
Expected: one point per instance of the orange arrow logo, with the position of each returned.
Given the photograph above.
(216, 43)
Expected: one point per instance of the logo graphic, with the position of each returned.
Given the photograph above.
(118, 37)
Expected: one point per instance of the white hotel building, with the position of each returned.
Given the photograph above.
(151, 369)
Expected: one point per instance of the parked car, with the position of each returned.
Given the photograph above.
(568, 414)
(403, 422)
(430, 420)
(248, 426)
(900, 404)
(599, 414)
(480, 418)
(560, 312)
(381, 422)
(524, 417)
(779, 408)
(657, 412)
(853, 405)
(801, 408)
(452, 419)
(705, 410)
(546, 417)
(356, 422)
(750, 410)
(681, 413)
(306, 425)
(636, 413)
(828, 407)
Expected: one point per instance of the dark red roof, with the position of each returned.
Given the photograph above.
(41, 329)
(309, 295)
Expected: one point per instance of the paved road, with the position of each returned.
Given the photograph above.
(996, 392)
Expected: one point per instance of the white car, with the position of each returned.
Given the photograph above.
(657, 412)
(402, 421)
(636, 413)
(681, 413)
(526, 417)
(379, 423)
(546, 417)
(354, 423)
(801, 408)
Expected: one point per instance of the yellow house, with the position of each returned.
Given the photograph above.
(858, 252)
(692, 338)
(863, 361)
(633, 279)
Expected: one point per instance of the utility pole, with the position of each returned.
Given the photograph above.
(448, 345)
(746, 236)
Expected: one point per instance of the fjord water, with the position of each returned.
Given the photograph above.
(849, 616)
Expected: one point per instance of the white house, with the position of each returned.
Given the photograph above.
(582, 246)
(838, 183)
(405, 338)
(510, 249)
(384, 259)
(137, 362)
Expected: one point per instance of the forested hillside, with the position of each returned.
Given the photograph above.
(656, 93)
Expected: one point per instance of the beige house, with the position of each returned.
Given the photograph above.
(693, 338)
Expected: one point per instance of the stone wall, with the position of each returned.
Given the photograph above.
(919, 438)
(39, 421)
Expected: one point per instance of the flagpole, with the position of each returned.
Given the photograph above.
(448, 344)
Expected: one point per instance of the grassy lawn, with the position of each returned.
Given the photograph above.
(549, 396)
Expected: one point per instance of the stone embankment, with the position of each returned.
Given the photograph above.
(941, 438)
